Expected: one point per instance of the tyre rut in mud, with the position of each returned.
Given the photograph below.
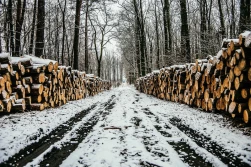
(211, 146)
(185, 152)
(33, 150)
(57, 155)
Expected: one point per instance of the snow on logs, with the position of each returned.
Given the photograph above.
(219, 83)
(32, 83)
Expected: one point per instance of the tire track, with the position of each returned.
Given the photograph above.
(151, 144)
(33, 150)
(185, 152)
(211, 146)
(57, 155)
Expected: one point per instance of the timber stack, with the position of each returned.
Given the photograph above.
(32, 83)
(220, 83)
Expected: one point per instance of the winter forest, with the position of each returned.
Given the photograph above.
(116, 38)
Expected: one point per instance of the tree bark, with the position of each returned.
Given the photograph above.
(64, 29)
(86, 38)
(5, 29)
(157, 37)
(137, 45)
(185, 41)
(203, 27)
(248, 20)
(143, 42)
(140, 30)
(19, 24)
(10, 21)
(40, 28)
(167, 32)
(242, 16)
(33, 27)
(232, 26)
(76, 34)
(222, 29)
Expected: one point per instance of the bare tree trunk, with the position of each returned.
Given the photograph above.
(57, 36)
(185, 41)
(143, 41)
(86, 38)
(221, 20)
(5, 29)
(10, 21)
(19, 24)
(76, 33)
(248, 20)
(167, 30)
(203, 27)
(242, 16)
(232, 26)
(157, 37)
(140, 29)
(137, 43)
(40, 28)
(64, 29)
(33, 27)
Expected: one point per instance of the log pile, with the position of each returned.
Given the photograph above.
(32, 83)
(219, 83)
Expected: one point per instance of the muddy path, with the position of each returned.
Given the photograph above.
(33, 150)
(131, 129)
(57, 155)
(185, 151)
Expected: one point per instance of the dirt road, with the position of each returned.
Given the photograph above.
(123, 127)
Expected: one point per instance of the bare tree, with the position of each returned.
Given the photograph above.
(40, 28)
(11, 30)
(185, 41)
(33, 27)
(102, 32)
(76, 34)
(19, 24)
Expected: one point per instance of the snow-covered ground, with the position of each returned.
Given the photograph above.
(123, 127)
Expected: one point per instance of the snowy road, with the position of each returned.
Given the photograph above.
(122, 127)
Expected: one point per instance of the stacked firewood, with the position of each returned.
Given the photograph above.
(32, 83)
(218, 83)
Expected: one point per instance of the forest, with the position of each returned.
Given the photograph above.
(120, 38)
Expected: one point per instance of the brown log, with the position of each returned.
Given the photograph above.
(5, 68)
(2, 81)
(242, 65)
(36, 99)
(238, 54)
(245, 93)
(237, 96)
(249, 74)
(247, 116)
(4, 95)
(26, 62)
(37, 106)
(204, 104)
(18, 108)
(7, 105)
(8, 87)
(20, 90)
(210, 104)
(233, 108)
(242, 37)
(5, 58)
(246, 53)
(37, 89)
(38, 78)
(242, 107)
(237, 71)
